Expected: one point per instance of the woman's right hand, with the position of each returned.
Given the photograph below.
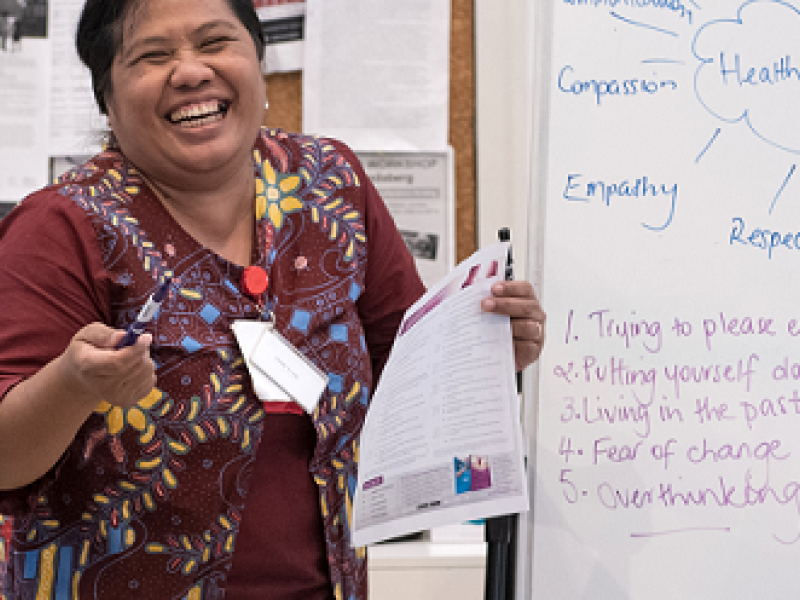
(40, 416)
(95, 370)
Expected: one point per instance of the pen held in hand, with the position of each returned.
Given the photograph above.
(145, 315)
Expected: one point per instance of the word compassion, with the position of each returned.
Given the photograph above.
(599, 88)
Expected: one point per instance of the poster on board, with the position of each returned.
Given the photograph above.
(283, 26)
(24, 80)
(418, 190)
(667, 454)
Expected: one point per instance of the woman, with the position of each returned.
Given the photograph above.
(136, 472)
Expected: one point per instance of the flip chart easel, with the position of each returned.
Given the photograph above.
(667, 460)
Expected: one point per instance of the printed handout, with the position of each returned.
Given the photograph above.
(442, 442)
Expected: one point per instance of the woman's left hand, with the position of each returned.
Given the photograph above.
(517, 300)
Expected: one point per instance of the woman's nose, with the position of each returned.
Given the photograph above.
(190, 71)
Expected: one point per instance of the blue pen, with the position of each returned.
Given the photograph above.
(145, 315)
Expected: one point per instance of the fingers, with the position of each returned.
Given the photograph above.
(515, 299)
(101, 372)
(528, 337)
(518, 300)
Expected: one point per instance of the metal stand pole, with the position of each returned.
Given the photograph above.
(500, 538)
(501, 532)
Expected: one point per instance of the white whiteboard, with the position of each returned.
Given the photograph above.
(671, 249)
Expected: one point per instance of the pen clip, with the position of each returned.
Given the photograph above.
(504, 235)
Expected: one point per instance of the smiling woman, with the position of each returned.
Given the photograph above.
(185, 101)
(168, 469)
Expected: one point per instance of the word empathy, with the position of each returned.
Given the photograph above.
(579, 190)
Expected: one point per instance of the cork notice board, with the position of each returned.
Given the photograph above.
(285, 93)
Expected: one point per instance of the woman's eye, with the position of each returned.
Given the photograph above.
(154, 56)
(216, 42)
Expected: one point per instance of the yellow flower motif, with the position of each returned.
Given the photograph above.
(118, 418)
(273, 195)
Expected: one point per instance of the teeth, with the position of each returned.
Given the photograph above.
(200, 121)
(196, 111)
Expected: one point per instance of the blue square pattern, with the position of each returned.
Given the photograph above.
(190, 344)
(335, 383)
(339, 333)
(209, 313)
(301, 319)
(355, 291)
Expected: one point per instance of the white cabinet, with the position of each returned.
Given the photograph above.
(427, 571)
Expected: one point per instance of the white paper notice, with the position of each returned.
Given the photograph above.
(76, 123)
(24, 70)
(442, 440)
(418, 191)
(377, 71)
(283, 25)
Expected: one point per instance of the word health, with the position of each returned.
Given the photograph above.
(780, 71)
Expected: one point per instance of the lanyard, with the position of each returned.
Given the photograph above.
(255, 278)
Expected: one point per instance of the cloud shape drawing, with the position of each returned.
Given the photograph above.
(750, 70)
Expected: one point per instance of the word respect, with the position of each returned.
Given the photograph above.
(764, 239)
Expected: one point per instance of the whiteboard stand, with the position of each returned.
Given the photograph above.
(501, 532)
(501, 541)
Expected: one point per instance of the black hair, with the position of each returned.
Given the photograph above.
(99, 37)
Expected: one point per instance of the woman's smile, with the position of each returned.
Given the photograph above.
(197, 115)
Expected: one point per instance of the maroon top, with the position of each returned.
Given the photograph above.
(150, 502)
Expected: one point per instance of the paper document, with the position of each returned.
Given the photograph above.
(24, 72)
(376, 73)
(76, 125)
(442, 441)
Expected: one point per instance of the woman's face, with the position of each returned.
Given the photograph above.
(187, 94)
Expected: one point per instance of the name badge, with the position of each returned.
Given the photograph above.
(247, 335)
(288, 368)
